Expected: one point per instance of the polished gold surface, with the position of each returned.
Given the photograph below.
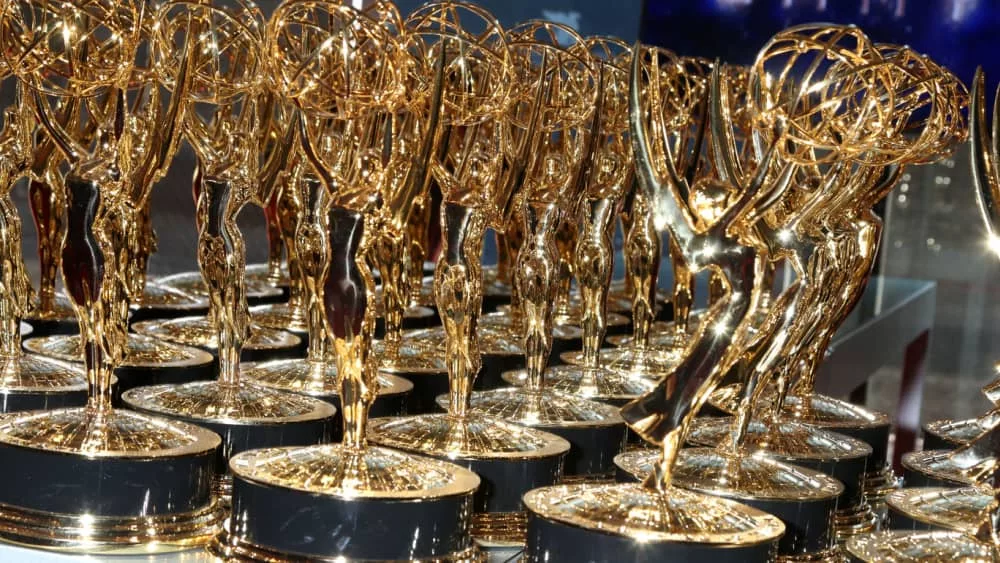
(112, 434)
(193, 284)
(541, 408)
(962, 510)
(164, 297)
(918, 547)
(941, 464)
(245, 403)
(784, 440)
(420, 351)
(312, 378)
(445, 435)
(36, 373)
(588, 383)
(647, 515)
(142, 351)
(201, 332)
(337, 470)
(961, 431)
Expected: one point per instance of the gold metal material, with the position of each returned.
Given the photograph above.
(311, 378)
(634, 511)
(962, 510)
(500, 528)
(573, 380)
(141, 351)
(193, 283)
(542, 409)
(232, 549)
(159, 296)
(202, 333)
(918, 547)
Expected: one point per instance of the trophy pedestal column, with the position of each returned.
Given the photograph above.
(627, 522)
(319, 502)
(509, 459)
(31, 382)
(836, 455)
(109, 482)
(804, 500)
(595, 431)
(148, 361)
(246, 416)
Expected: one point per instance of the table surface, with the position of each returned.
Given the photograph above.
(891, 313)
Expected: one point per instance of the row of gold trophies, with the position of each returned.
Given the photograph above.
(341, 123)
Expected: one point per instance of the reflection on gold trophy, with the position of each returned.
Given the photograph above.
(235, 167)
(347, 74)
(107, 472)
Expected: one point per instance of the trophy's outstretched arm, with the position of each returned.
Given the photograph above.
(985, 158)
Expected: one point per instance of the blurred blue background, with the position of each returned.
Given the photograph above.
(959, 34)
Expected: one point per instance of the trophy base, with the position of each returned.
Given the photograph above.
(841, 457)
(571, 314)
(950, 434)
(233, 549)
(803, 499)
(245, 415)
(200, 332)
(31, 382)
(161, 302)
(319, 380)
(319, 503)
(60, 319)
(933, 508)
(509, 459)
(635, 362)
(936, 468)
(260, 273)
(281, 316)
(415, 317)
(916, 547)
(258, 290)
(106, 482)
(628, 522)
(596, 384)
(661, 335)
(148, 361)
(595, 431)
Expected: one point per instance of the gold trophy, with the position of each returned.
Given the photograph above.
(28, 381)
(832, 249)
(510, 459)
(316, 376)
(96, 478)
(232, 173)
(949, 508)
(151, 128)
(346, 73)
(640, 356)
(607, 179)
(236, 99)
(656, 519)
(556, 115)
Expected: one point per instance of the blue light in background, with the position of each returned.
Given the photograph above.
(959, 34)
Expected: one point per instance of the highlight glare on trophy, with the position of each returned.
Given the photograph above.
(949, 505)
(467, 48)
(227, 83)
(607, 179)
(88, 478)
(236, 166)
(346, 74)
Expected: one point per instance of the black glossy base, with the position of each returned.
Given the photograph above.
(554, 542)
(237, 437)
(130, 377)
(396, 404)
(593, 448)
(75, 484)
(163, 313)
(41, 327)
(913, 479)
(935, 441)
(292, 522)
(17, 401)
(504, 481)
(900, 521)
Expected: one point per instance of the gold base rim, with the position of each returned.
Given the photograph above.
(129, 535)
(500, 529)
(852, 522)
(832, 555)
(593, 479)
(232, 549)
